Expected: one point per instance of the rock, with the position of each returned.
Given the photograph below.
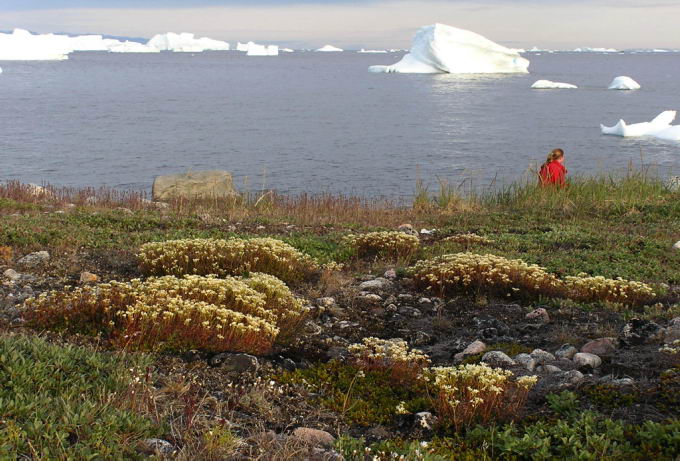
(672, 333)
(12, 275)
(676, 247)
(474, 348)
(314, 436)
(88, 277)
(410, 311)
(425, 419)
(542, 356)
(420, 338)
(566, 351)
(379, 432)
(405, 298)
(622, 382)
(326, 302)
(336, 352)
(390, 274)
(551, 369)
(288, 364)
(539, 314)
(38, 191)
(237, 363)
(34, 259)
(526, 361)
(378, 284)
(407, 229)
(570, 378)
(158, 447)
(601, 346)
(639, 331)
(491, 329)
(673, 185)
(497, 359)
(194, 185)
(585, 359)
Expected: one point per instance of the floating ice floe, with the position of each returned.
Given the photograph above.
(286, 50)
(371, 51)
(440, 48)
(624, 83)
(660, 128)
(595, 50)
(186, 42)
(330, 49)
(548, 85)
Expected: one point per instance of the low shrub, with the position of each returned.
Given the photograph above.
(469, 272)
(599, 289)
(392, 244)
(471, 394)
(192, 312)
(392, 356)
(469, 239)
(226, 257)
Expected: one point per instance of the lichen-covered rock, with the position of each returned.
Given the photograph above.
(539, 314)
(237, 363)
(526, 361)
(497, 359)
(378, 284)
(542, 356)
(34, 259)
(566, 351)
(639, 331)
(585, 359)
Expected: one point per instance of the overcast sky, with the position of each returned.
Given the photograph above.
(561, 24)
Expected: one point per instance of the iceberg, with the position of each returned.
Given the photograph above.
(186, 42)
(330, 49)
(548, 85)
(130, 47)
(440, 48)
(371, 51)
(286, 50)
(624, 83)
(595, 50)
(262, 50)
(660, 128)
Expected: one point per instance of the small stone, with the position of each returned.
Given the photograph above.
(156, 447)
(566, 351)
(34, 259)
(639, 331)
(407, 229)
(526, 361)
(420, 338)
(426, 301)
(405, 298)
(238, 363)
(551, 369)
(288, 364)
(672, 333)
(326, 302)
(88, 277)
(390, 274)
(314, 436)
(539, 314)
(542, 356)
(571, 377)
(371, 299)
(497, 359)
(474, 348)
(410, 311)
(378, 284)
(622, 382)
(601, 346)
(585, 359)
(12, 275)
(379, 432)
(676, 247)
(391, 308)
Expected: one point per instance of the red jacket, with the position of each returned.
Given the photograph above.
(553, 173)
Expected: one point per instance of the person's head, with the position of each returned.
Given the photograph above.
(556, 155)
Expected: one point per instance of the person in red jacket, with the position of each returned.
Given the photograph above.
(553, 172)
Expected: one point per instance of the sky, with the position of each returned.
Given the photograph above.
(557, 24)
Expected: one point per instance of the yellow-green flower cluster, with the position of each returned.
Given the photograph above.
(588, 289)
(672, 348)
(470, 394)
(469, 239)
(192, 312)
(226, 257)
(490, 273)
(389, 243)
(393, 355)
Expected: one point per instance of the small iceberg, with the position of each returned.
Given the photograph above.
(548, 85)
(439, 48)
(330, 49)
(660, 128)
(595, 50)
(624, 83)
(254, 49)
(371, 51)
(186, 43)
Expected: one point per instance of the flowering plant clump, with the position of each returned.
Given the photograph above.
(472, 394)
(469, 239)
(488, 273)
(393, 355)
(672, 348)
(392, 244)
(226, 257)
(587, 289)
(192, 312)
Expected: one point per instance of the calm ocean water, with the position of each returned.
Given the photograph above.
(320, 122)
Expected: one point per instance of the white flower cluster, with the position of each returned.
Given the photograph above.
(392, 355)
(469, 239)
(226, 257)
(672, 348)
(389, 243)
(585, 288)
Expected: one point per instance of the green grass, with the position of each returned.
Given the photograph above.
(66, 402)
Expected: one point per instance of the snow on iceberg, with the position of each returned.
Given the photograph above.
(548, 85)
(624, 83)
(660, 128)
(186, 42)
(330, 49)
(440, 48)
(116, 46)
(21, 45)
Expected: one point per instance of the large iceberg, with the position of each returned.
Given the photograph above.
(330, 49)
(548, 85)
(253, 49)
(440, 49)
(624, 83)
(186, 42)
(660, 128)
(116, 46)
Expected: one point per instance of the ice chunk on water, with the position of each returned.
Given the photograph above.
(371, 51)
(548, 85)
(624, 83)
(660, 128)
(186, 42)
(440, 48)
(330, 49)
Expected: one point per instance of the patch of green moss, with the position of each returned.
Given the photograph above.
(607, 396)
